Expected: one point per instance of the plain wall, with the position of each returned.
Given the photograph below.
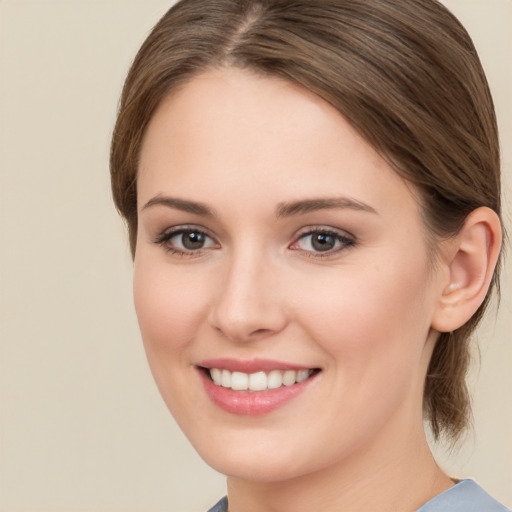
(82, 427)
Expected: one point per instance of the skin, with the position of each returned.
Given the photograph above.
(244, 145)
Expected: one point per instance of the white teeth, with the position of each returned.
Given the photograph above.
(302, 375)
(239, 381)
(226, 379)
(259, 381)
(216, 375)
(289, 377)
(275, 379)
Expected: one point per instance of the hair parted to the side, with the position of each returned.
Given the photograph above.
(405, 74)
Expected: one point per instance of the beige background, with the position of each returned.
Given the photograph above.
(82, 427)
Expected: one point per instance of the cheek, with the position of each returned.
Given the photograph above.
(374, 316)
(373, 326)
(170, 311)
(168, 306)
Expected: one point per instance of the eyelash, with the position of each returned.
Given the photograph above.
(166, 236)
(346, 241)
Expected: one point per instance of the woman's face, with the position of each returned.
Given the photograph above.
(278, 251)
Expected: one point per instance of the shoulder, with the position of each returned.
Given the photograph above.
(465, 496)
(221, 506)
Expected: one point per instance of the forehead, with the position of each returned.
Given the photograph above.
(230, 134)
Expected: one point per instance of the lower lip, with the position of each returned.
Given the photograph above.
(252, 403)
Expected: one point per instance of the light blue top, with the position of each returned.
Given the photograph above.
(465, 496)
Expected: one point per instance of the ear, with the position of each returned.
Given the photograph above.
(470, 259)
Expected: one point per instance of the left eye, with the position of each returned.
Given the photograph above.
(322, 242)
(186, 240)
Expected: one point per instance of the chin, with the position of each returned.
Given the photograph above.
(257, 469)
(260, 458)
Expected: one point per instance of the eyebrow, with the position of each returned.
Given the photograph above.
(289, 209)
(180, 204)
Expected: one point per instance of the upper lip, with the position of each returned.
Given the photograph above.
(250, 365)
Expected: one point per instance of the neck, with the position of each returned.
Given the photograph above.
(397, 476)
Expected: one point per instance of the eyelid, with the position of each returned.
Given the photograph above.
(164, 236)
(348, 240)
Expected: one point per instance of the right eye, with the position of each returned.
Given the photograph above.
(186, 241)
(321, 242)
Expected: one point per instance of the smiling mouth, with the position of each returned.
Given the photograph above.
(258, 381)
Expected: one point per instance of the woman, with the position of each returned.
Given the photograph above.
(312, 191)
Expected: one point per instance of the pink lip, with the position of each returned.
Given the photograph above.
(250, 366)
(251, 403)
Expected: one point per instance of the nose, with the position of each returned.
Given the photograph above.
(248, 304)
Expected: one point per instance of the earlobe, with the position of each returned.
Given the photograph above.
(470, 258)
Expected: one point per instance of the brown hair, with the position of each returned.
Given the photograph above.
(405, 74)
